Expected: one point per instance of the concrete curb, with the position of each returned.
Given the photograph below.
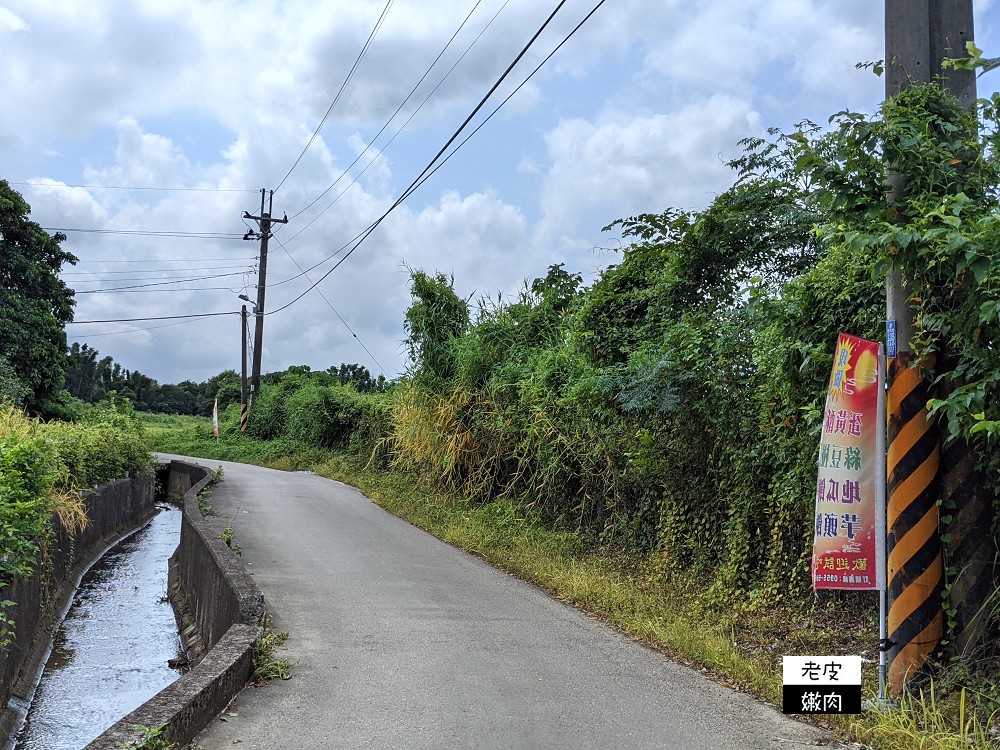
(226, 607)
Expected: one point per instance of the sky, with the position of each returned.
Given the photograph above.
(145, 130)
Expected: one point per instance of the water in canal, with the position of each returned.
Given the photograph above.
(110, 654)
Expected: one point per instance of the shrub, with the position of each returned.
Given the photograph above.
(322, 417)
(268, 412)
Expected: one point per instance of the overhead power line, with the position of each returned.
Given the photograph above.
(330, 305)
(98, 274)
(139, 232)
(506, 99)
(160, 283)
(430, 168)
(428, 171)
(398, 109)
(336, 98)
(171, 291)
(133, 187)
(154, 317)
(162, 260)
(82, 336)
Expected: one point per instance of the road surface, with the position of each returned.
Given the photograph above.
(398, 640)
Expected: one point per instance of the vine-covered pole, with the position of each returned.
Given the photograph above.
(919, 35)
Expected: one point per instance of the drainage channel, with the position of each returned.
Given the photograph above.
(111, 653)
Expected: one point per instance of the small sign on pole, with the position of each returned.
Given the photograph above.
(821, 684)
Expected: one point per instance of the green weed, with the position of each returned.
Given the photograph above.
(228, 536)
(205, 501)
(152, 739)
(266, 665)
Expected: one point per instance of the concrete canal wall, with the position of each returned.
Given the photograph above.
(223, 607)
(113, 509)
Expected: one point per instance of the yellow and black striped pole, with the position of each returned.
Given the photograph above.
(969, 548)
(914, 566)
(243, 417)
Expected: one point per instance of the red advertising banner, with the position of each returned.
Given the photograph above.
(849, 538)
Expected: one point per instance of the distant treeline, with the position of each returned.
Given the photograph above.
(92, 378)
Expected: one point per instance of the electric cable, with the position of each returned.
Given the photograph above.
(162, 260)
(129, 187)
(81, 336)
(336, 98)
(144, 270)
(330, 305)
(144, 233)
(171, 291)
(420, 178)
(153, 317)
(506, 99)
(161, 283)
(400, 107)
(402, 127)
(425, 174)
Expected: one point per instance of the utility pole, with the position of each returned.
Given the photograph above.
(919, 35)
(243, 367)
(264, 221)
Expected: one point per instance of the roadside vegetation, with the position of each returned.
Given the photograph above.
(644, 447)
(44, 468)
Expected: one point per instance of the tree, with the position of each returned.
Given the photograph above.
(83, 373)
(11, 389)
(35, 304)
(359, 376)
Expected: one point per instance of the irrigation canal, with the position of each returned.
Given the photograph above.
(110, 654)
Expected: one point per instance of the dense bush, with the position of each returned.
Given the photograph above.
(323, 417)
(314, 409)
(44, 466)
(26, 476)
(106, 443)
(269, 410)
(673, 405)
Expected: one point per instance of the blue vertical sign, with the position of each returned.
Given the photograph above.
(890, 338)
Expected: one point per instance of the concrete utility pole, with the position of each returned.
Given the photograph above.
(264, 221)
(243, 369)
(919, 35)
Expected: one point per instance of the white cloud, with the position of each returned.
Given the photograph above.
(10, 21)
(620, 167)
(74, 206)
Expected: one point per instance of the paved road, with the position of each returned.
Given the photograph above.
(401, 641)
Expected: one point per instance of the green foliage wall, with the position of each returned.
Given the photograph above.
(674, 404)
(314, 409)
(44, 466)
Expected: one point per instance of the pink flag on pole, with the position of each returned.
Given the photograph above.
(215, 418)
